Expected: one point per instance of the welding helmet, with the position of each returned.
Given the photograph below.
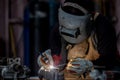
(74, 22)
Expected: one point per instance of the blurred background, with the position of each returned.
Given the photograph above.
(25, 27)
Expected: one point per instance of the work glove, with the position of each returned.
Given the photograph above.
(45, 59)
(79, 66)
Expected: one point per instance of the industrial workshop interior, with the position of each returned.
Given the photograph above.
(59, 39)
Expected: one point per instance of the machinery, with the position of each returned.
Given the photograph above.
(11, 69)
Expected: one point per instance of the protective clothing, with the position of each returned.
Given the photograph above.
(79, 66)
(86, 50)
(80, 57)
(45, 59)
(74, 28)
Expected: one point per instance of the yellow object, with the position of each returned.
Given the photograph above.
(12, 41)
(83, 50)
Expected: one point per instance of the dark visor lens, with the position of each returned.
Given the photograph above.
(72, 10)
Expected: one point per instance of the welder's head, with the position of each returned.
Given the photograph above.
(75, 20)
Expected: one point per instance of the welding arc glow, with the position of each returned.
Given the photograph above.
(51, 67)
(57, 67)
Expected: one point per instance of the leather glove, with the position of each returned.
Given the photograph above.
(45, 59)
(79, 66)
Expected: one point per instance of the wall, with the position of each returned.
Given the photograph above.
(16, 18)
(12, 13)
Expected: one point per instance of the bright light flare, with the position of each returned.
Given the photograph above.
(51, 67)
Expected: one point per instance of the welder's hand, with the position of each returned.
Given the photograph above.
(79, 66)
(45, 59)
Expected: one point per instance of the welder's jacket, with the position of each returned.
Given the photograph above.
(86, 50)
